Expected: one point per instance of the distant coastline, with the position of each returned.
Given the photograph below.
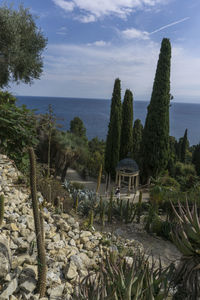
(95, 114)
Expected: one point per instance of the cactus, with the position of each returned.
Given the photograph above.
(91, 220)
(103, 218)
(130, 212)
(99, 179)
(121, 210)
(139, 208)
(127, 212)
(76, 204)
(110, 209)
(1, 209)
(42, 269)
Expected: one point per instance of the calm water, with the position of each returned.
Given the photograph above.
(95, 114)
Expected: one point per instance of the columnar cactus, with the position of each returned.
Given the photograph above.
(110, 209)
(99, 179)
(42, 269)
(139, 208)
(1, 209)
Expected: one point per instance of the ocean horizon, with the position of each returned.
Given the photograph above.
(95, 114)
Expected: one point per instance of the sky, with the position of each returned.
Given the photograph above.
(92, 42)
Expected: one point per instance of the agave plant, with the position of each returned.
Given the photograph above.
(187, 239)
(119, 280)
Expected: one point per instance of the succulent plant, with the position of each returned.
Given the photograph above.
(42, 268)
(119, 280)
(1, 209)
(186, 236)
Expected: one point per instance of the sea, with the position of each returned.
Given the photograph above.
(95, 114)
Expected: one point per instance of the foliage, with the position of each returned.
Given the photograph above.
(186, 237)
(18, 130)
(137, 139)
(42, 267)
(126, 141)
(77, 127)
(196, 159)
(21, 46)
(1, 209)
(114, 131)
(117, 279)
(184, 145)
(155, 144)
(95, 156)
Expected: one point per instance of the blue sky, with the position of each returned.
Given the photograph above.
(92, 42)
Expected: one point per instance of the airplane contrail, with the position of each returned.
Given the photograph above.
(169, 25)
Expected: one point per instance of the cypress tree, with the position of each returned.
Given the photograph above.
(137, 139)
(156, 130)
(114, 131)
(183, 147)
(127, 125)
(196, 159)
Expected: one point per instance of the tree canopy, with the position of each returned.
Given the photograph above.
(155, 145)
(114, 130)
(21, 46)
(127, 125)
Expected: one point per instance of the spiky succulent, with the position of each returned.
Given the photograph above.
(186, 236)
(119, 280)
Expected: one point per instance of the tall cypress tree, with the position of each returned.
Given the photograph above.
(183, 147)
(156, 131)
(127, 125)
(114, 130)
(137, 139)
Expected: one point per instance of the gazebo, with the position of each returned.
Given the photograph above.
(127, 171)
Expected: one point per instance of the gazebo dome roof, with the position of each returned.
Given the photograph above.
(128, 165)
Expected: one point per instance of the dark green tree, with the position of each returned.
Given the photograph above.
(155, 143)
(18, 130)
(184, 144)
(77, 127)
(196, 158)
(126, 143)
(114, 130)
(137, 139)
(21, 46)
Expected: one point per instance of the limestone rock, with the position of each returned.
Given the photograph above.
(10, 289)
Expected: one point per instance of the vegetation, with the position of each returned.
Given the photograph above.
(126, 142)
(77, 127)
(17, 125)
(42, 268)
(137, 139)
(114, 131)
(21, 46)
(155, 145)
(186, 236)
(1, 209)
(118, 279)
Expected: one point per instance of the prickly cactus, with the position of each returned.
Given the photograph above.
(42, 269)
(1, 209)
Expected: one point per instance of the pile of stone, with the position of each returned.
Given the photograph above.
(71, 252)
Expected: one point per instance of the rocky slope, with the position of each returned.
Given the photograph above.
(71, 252)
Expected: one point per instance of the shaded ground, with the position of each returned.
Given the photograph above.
(152, 244)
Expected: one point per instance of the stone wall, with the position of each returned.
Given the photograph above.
(71, 252)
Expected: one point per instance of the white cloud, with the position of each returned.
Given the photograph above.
(133, 33)
(91, 10)
(90, 70)
(66, 5)
(99, 43)
(62, 31)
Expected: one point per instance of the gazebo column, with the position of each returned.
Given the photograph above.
(116, 178)
(137, 182)
(119, 182)
(129, 183)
